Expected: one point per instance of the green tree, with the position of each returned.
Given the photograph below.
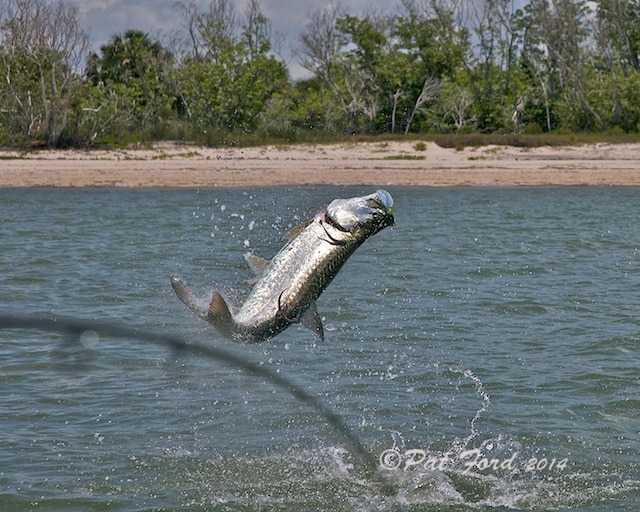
(42, 48)
(304, 107)
(560, 30)
(615, 68)
(226, 76)
(256, 31)
(382, 70)
(347, 55)
(618, 32)
(432, 48)
(498, 90)
(361, 84)
(134, 69)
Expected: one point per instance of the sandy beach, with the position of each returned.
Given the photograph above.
(376, 164)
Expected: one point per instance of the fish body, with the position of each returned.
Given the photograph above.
(288, 286)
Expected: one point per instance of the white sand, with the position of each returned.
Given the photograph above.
(377, 164)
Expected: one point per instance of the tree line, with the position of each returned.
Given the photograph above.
(427, 66)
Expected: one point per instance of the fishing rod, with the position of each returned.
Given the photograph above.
(79, 328)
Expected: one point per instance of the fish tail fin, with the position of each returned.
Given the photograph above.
(217, 313)
(186, 296)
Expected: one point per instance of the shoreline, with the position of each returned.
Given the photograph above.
(371, 163)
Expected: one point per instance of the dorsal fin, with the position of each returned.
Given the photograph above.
(256, 263)
(294, 232)
(311, 320)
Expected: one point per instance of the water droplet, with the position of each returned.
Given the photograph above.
(89, 339)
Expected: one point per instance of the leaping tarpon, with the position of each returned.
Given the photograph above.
(287, 286)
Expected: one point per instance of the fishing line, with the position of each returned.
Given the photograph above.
(80, 329)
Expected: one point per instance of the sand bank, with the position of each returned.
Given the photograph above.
(376, 164)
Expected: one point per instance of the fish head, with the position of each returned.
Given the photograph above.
(363, 215)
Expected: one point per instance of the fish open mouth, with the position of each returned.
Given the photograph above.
(374, 212)
(386, 221)
(385, 202)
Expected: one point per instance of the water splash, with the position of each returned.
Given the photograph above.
(484, 406)
(441, 478)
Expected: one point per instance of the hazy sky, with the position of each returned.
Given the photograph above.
(103, 18)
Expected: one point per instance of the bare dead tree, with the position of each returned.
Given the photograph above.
(217, 29)
(363, 97)
(278, 40)
(430, 90)
(516, 114)
(320, 43)
(428, 9)
(189, 14)
(395, 99)
(256, 29)
(458, 110)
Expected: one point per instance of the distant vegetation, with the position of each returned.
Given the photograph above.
(458, 73)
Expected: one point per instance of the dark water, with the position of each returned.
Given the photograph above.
(485, 350)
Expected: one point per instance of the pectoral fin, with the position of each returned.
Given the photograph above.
(256, 263)
(311, 320)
